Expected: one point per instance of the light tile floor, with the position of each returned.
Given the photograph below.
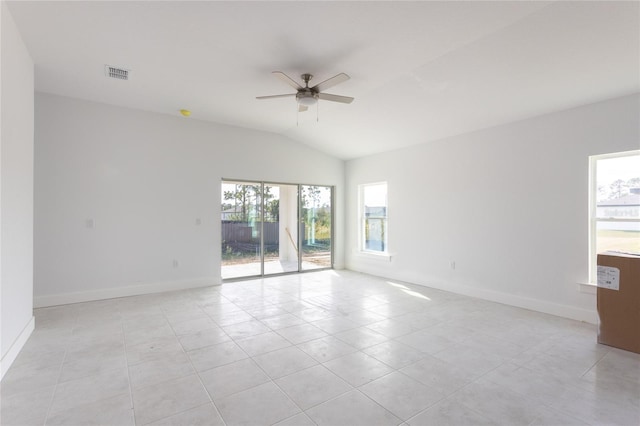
(325, 348)
(239, 270)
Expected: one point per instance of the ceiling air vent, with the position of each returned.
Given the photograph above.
(118, 73)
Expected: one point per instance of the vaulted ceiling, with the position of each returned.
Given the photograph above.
(420, 71)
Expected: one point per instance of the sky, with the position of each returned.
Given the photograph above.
(375, 195)
(612, 169)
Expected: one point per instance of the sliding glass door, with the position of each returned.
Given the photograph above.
(315, 227)
(280, 230)
(241, 229)
(273, 228)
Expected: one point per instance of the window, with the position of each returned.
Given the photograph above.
(373, 217)
(614, 205)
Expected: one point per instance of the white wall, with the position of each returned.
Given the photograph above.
(483, 200)
(143, 179)
(16, 191)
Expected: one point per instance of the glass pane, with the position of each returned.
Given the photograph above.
(618, 236)
(241, 215)
(374, 199)
(375, 196)
(280, 230)
(375, 234)
(315, 227)
(618, 187)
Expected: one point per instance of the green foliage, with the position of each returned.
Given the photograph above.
(246, 203)
(272, 211)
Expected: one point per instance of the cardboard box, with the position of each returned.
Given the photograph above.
(619, 300)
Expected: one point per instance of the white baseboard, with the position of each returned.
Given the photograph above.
(16, 347)
(546, 307)
(115, 292)
(564, 311)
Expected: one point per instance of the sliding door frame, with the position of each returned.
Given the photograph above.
(299, 223)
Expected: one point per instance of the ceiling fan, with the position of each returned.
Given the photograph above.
(307, 96)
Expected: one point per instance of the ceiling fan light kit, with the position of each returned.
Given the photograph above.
(306, 99)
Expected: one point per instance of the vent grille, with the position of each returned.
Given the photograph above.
(117, 73)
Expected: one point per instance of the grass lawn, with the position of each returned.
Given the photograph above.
(627, 241)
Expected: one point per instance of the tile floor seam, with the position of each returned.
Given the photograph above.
(126, 359)
(55, 389)
(378, 404)
(180, 412)
(197, 373)
(288, 397)
(593, 365)
(330, 399)
(444, 399)
(272, 380)
(475, 379)
(398, 371)
(502, 387)
(351, 387)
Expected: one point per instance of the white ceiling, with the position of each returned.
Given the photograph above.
(420, 71)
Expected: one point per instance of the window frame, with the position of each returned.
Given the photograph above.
(362, 219)
(593, 208)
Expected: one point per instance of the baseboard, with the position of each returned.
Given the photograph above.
(124, 291)
(16, 347)
(546, 307)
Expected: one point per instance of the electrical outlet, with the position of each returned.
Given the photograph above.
(176, 263)
(452, 264)
(198, 221)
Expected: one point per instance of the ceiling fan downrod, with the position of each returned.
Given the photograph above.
(306, 78)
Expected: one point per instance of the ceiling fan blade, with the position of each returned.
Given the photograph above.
(336, 79)
(288, 95)
(291, 82)
(335, 98)
(302, 108)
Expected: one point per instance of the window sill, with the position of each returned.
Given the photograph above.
(373, 255)
(588, 288)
